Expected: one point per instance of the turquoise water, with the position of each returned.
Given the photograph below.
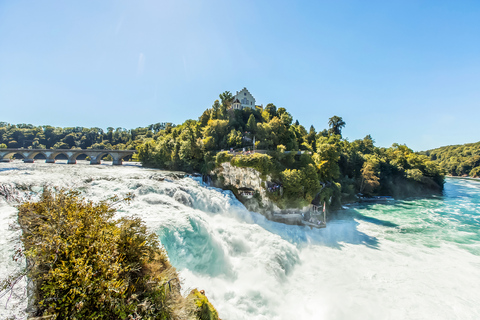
(406, 259)
(452, 218)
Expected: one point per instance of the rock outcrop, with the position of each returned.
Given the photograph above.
(237, 178)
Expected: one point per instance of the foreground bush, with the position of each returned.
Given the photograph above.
(84, 264)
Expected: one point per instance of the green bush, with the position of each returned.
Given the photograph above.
(84, 264)
(475, 172)
(300, 186)
(204, 310)
(222, 157)
(261, 162)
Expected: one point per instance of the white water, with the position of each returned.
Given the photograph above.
(369, 263)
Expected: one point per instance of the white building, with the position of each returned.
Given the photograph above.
(243, 99)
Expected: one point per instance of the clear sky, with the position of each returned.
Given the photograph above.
(402, 71)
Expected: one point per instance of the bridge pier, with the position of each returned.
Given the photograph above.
(50, 155)
(117, 158)
(29, 157)
(72, 157)
(96, 158)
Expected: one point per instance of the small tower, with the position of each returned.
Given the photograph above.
(236, 105)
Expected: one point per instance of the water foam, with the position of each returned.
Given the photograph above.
(413, 259)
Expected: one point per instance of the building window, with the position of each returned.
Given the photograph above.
(244, 93)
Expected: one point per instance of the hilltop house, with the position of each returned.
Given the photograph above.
(243, 99)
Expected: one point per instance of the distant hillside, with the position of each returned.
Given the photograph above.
(458, 160)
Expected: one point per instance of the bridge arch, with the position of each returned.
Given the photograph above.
(52, 155)
(78, 154)
(32, 155)
(16, 154)
(7, 156)
(40, 156)
(94, 156)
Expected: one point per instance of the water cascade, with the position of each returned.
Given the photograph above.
(411, 259)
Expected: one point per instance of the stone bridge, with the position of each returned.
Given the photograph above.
(95, 155)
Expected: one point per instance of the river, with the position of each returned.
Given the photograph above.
(406, 259)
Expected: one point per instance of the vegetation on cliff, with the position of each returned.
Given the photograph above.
(84, 264)
(458, 160)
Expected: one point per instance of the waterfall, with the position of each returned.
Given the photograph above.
(406, 260)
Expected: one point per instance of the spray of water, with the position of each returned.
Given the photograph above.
(414, 259)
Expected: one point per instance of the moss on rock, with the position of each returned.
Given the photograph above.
(205, 310)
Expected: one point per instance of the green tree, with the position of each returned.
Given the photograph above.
(226, 99)
(271, 109)
(311, 138)
(336, 124)
(216, 111)
(370, 180)
(326, 158)
(252, 124)
(311, 182)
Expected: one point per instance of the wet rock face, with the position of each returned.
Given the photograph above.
(251, 178)
(248, 178)
(243, 177)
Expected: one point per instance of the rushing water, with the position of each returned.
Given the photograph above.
(410, 259)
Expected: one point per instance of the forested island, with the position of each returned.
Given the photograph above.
(458, 160)
(310, 166)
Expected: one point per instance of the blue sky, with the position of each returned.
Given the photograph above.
(402, 71)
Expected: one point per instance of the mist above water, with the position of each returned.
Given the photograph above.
(417, 259)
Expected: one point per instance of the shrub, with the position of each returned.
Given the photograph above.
(205, 310)
(261, 162)
(475, 172)
(84, 264)
(222, 157)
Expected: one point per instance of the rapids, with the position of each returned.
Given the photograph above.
(409, 259)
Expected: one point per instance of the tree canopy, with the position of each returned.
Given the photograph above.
(458, 160)
(49, 137)
(336, 124)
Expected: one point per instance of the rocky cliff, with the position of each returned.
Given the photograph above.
(238, 179)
